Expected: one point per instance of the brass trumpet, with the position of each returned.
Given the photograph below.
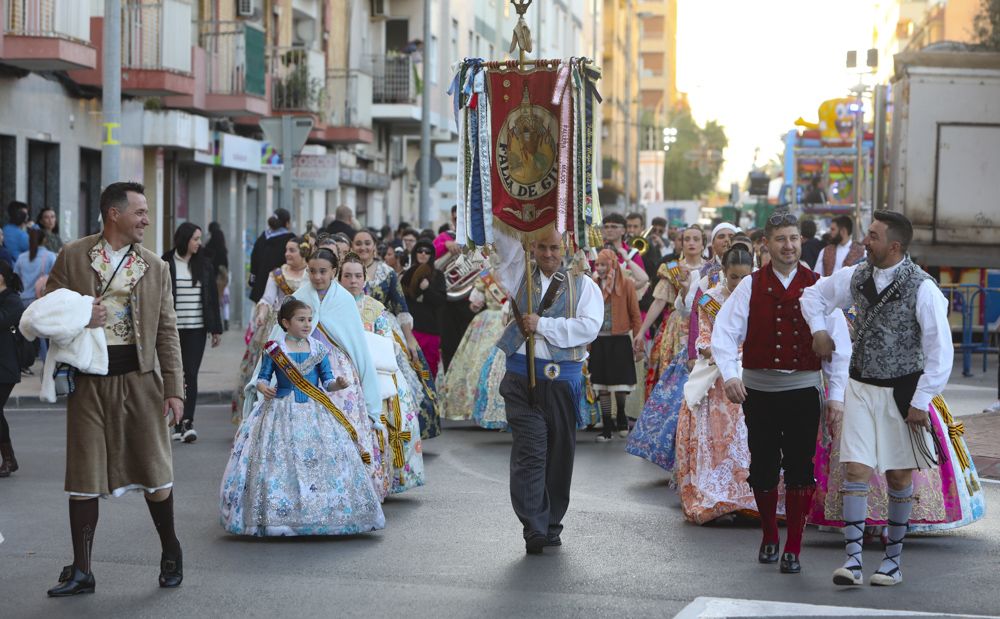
(640, 244)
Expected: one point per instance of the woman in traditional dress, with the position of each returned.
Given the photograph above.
(713, 460)
(611, 362)
(282, 282)
(383, 286)
(400, 413)
(295, 468)
(424, 288)
(471, 367)
(653, 436)
(337, 324)
(947, 497)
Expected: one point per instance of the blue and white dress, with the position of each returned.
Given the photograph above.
(294, 470)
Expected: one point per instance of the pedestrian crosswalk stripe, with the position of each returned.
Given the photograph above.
(719, 608)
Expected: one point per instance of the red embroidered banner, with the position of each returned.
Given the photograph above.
(525, 131)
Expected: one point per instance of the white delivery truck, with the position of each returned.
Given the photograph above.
(944, 164)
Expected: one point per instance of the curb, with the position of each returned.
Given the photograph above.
(32, 402)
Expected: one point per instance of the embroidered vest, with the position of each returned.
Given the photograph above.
(564, 306)
(778, 337)
(855, 253)
(890, 346)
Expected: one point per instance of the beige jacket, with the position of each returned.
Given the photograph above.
(153, 318)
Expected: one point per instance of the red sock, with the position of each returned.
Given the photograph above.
(797, 504)
(767, 506)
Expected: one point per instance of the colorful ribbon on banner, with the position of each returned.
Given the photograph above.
(524, 133)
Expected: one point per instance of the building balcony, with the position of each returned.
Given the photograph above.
(157, 49)
(235, 69)
(298, 82)
(395, 79)
(46, 35)
(158, 56)
(349, 107)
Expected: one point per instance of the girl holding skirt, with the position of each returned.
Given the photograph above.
(296, 467)
(713, 460)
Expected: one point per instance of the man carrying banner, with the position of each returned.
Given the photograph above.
(568, 312)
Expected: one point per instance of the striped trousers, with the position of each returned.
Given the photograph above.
(541, 456)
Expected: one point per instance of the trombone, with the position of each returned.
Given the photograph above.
(640, 244)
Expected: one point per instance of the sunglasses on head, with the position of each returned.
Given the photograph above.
(782, 219)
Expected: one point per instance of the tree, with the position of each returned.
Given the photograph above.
(694, 161)
(986, 25)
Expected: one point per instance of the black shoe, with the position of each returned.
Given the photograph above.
(768, 553)
(534, 544)
(72, 582)
(189, 435)
(171, 571)
(790, 563)
(553, 540)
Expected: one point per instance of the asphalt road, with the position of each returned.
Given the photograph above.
(452, 548)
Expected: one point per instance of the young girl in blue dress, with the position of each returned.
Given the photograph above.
(296, 467)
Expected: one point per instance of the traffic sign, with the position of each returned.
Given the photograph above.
(274, 132)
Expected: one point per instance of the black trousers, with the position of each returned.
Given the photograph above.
(781, 433)
(455, 317)
(192, 352)
(5, 389)
(541, 456)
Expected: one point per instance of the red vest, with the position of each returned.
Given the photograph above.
(778, 337)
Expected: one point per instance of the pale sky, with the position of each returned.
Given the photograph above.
(757, 66)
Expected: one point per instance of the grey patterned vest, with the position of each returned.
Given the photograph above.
(563, 306)
(890, 346)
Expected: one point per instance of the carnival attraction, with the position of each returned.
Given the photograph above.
(824, 156)
(526, 151)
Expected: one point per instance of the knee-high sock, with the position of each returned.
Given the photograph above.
(900, 506)
(620, 398)
(163, 520)
(609, 424)
(797, 503)
(82, 524)
(767, 506)
(854, 497)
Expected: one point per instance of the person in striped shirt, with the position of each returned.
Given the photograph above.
(196, 303)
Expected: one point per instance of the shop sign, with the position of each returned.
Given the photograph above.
(316, 171)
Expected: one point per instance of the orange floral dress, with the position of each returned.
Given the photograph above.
(713, 459)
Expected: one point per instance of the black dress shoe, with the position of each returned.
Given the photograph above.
(534, 544)
(553, 540)
(171, 571)
(768, 553)
(72, 582)
(790, 563)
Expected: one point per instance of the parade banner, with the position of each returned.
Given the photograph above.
(527, 135)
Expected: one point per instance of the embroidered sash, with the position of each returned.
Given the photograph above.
(492, 286)
(279, 279)
(397, 437)
(710, 305)
(286, 365)
(424, 375)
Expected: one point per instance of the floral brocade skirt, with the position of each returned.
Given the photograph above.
(459, 389)
(294, 470)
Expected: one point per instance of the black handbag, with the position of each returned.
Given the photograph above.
(25, 350)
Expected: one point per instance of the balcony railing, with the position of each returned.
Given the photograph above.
(297, 79)
(68, 19)
(157, 36)
(234, 58)
(349, 98)
(395, 78)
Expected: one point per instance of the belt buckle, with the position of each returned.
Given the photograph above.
(552, 371)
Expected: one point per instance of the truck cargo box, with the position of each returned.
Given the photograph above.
(945, 155)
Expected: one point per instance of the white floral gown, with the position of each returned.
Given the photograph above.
(294, 469)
